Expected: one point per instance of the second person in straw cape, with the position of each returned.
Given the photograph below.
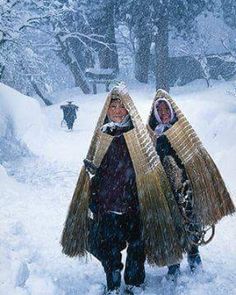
(123, 184)
(196, 182)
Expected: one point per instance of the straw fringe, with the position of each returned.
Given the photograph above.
(211, 198)
(75, 233)
(160, 234)
(74, 239)
(160, 222)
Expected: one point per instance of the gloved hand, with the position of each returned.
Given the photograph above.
(109, 128)
(90, 167)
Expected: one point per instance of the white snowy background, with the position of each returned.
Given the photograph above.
(39, 166)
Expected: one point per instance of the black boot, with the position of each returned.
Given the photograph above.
(113, 281)
(173, 272)
(194, 261)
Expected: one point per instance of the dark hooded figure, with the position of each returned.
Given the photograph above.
(198, 188)
(120, 200)
(114, 204)
(69, 114)
(165, 119)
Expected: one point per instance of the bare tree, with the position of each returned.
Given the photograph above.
(67, 31)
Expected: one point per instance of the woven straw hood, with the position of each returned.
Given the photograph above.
(211, 198)
(154, 192)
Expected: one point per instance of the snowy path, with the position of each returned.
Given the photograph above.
(34, 199)
(35, 254)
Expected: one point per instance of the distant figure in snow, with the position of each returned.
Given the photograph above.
(69, 114)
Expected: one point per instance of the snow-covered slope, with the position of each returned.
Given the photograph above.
(22, 113)
(36, 190)
(21, 122)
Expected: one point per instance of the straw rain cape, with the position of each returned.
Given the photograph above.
(211, 198)
(161, 240)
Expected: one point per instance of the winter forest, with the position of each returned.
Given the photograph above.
(58, 52)
(165, 43)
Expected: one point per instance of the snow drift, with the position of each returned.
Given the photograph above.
(21, 121)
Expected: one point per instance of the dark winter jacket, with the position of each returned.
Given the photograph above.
(113, 188)
(69, 111)
(164, 148)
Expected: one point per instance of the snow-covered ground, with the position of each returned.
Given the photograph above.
(39, 166)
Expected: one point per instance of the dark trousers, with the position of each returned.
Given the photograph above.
(109, 237)
(192, 250)
(70, 122)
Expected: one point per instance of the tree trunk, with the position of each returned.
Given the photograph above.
(37, 91)
(2, 68)
(143, 36)
(35, 86)
(70, 60)
(108, 56)
(142, 57)
(162, 50)
(78, 51)
(80, 80)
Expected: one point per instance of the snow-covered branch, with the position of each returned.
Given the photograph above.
(229, 49)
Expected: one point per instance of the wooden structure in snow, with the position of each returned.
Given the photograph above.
(100, 76)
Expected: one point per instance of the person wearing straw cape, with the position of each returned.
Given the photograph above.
(198, 187)
(124, 186)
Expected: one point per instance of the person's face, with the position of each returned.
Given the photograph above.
(164, 112)
(116, 111)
